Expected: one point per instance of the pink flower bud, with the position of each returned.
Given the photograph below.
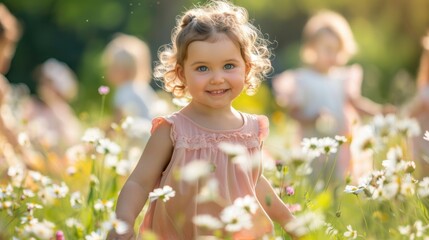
(103, 90)
(59, 235)
(290, 191)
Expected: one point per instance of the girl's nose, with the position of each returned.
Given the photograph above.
(217, 78)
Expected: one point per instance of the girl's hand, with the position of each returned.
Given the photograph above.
(389, 109)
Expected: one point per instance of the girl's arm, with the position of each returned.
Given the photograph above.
(363, 104)
(368, 107)
(275, 207)
(354, 95)
(142, 180)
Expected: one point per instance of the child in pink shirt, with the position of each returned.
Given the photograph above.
(215, 54)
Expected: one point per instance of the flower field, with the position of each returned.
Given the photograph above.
(73, 197)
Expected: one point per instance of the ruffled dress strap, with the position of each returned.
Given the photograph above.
(263, 127)
(259, 124)
(156, 122)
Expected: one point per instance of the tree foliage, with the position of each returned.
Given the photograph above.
(388, 33)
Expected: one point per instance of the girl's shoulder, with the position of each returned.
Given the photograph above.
(167, 119)
(260, 123)
(178, 122)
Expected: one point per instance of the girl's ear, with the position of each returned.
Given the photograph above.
(247, 72)
(180, 73)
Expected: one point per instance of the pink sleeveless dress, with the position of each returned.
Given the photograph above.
(173, 219)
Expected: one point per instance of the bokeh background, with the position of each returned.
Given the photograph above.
(388, 33)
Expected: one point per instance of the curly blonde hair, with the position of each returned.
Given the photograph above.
(201, 24)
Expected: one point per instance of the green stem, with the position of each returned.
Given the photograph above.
(318, 175)
(282, 182)
(101, 171)
(103, 97)
(90, 198)
(330, 174)
(363, 214)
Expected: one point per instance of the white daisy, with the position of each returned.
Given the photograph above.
(41, 230)
(58, 191)
(426, 136)
(232, 149)
(23, 139)
(76, 200)
(119, 226)
(209, 192)
(207, 221)
(310, 146)
(423, 189)
(103, 205)
(408, 127)
(235, 218)
(92, 135)
(350, 233)
(248, 203)
(94, 236)
(330, 230)
(353, 189)
(328, 145)
(340, 139)
(195, 170)
(123, 167)
(363, 140)
(164, 194)
(305, 223)
(106, 146)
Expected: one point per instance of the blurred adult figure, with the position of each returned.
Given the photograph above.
(418, 108)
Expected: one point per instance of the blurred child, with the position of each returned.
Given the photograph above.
(52, 123)
(324, 96)
(128, 68)
(215, 54)
(419, 109)
(10, 32)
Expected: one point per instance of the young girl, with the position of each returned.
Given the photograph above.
(419, 109)
(324, 96)
(215, 54)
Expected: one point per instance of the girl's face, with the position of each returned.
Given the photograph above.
(327, 48)
(214, 72)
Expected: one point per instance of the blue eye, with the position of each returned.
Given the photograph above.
(202, 68)
(228, 66)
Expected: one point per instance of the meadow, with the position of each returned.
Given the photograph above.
(73, 195)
